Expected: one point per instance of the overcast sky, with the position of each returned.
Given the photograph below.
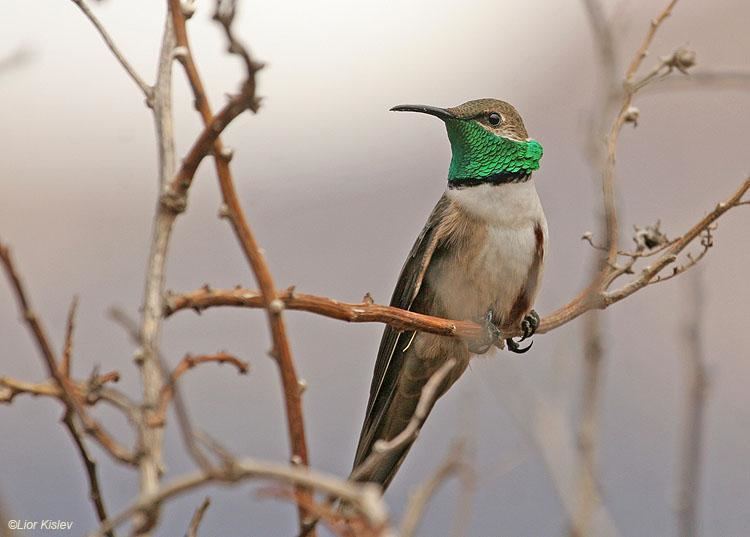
(337, 188)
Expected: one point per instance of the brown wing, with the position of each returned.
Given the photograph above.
(390, 354)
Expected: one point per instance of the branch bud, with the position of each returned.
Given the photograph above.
(683, 59)
(631, 115)
(188, 8)
(276, 306)
(180, 53)
(227, 153)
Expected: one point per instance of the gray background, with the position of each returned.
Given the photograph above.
(337, 188)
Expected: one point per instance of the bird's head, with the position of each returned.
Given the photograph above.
(488, 140)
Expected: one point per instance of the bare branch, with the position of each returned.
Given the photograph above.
(281, 351)
(648, 274)
(158, 418)
(175, 196)
(642, 52)
(148, 359)
(145, 88)
(608, 180)
(606, 270)
(66, 390)
(67, 393)
(365, 498)
(89, 392)
(368, 312)
(362, 312)
(224, 14)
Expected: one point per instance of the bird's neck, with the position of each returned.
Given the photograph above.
(512, 204)
(482, 157)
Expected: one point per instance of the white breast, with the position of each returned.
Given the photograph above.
(499, 270)
(511, 205)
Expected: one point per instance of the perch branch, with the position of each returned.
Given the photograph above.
(368, 312)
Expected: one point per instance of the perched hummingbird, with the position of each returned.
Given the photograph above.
(480, 256)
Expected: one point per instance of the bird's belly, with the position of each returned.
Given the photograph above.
(489, 276)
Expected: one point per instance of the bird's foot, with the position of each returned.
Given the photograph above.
(493, 336)
(529, 325)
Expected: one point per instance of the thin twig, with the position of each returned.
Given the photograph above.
(188, 362)
(145, 88)
(195, 522)
(383, 448)
(83, 390)
(421, 497)
(729, 79)
(68, 346)
(95, 493)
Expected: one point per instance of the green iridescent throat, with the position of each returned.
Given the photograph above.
(480, 154)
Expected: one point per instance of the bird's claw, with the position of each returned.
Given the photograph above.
(493, 336)
(529, 325)
(515, 347)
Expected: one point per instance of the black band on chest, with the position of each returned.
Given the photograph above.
(501, 178)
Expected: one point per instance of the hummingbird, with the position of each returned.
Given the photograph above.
(480, 257)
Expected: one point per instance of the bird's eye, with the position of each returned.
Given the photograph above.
(494, 119)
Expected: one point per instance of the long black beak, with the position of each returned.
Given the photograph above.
(442, 113)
